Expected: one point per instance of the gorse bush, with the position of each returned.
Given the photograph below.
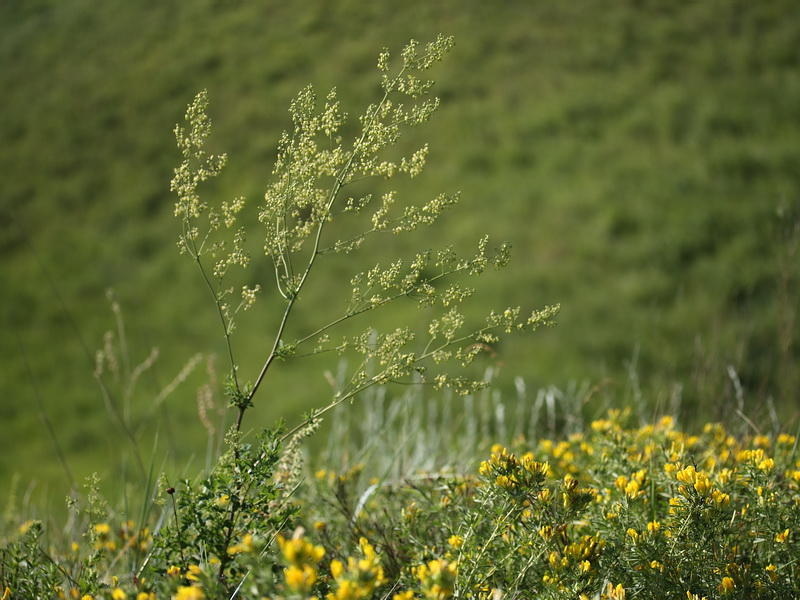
(613, 512)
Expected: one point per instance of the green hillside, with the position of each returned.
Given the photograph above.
(643, 158)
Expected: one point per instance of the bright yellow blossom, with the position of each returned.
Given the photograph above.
(193, 573)
(632, 489)
(300, 579)
(772, 571)
(615, 593)
(697, 479)
(437, 578)
(102, 529)
(666, 422)
(766, 465)
(189, 593)
(245, 546)
(361, 577)
(726, 586)
(725, 475)
(656, 566)
(720, 499)
(299, 551)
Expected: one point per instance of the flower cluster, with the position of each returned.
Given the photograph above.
(514, 474)
(360, 577)
(302, 564)
(437, 579)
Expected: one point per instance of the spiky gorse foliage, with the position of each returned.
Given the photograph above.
(312, 209)
(610, 512)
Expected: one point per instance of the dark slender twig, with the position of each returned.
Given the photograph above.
(171, 492)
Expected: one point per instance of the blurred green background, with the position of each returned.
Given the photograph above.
(643, 158)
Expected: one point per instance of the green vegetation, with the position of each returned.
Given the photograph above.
(641, 159)
(608, 512)
(600, 511)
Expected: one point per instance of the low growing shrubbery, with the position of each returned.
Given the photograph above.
(610, 512)
(615, 512)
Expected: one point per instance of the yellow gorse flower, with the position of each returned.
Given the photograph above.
(103, 541)
(632, 489)
(102, 529)
(761, 441)
(193, 573)
(767, 465)
(245, 546)
(437, 578)
(299, 551)
(720, 499)
(189, 593)
(726, 586)
(772, 571)
(303, 558)
(360, 578)
(514, 473)
(455, 541)
(300, 580)
(613, 592)
(697, 479)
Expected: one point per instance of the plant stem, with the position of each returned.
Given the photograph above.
(339, 183)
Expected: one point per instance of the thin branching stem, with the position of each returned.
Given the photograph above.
(339, 183)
